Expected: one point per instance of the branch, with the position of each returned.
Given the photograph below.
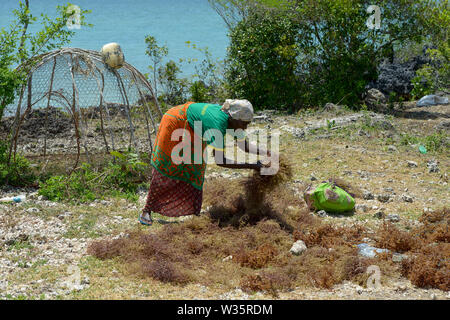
(386, 44)
(316, 33)
(22, 39)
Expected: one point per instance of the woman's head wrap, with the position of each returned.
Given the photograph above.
(238, 109)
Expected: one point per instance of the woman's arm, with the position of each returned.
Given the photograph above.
(221, 161)
(253, 149)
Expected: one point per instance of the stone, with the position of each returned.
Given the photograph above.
(368, 195)
(375, 100)
(401, 288)
(227, 259)
(263, 117)
(392, 148)
(395, 75)
(361, 208)
(298, 248)
(407, 198)
(432, 166)
(427, 210)
(363, 133)
(443, 126)
(322, 213)
(379, 215)
(384, 197)
(411, 164)
(398, 257)
(393, 217)
(389, 190)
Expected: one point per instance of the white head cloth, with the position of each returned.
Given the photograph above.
(239, 109)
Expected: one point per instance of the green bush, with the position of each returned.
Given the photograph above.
(17, 172)
(436, 142)
(174, 88)
(306, 53)
(435, 75)
(262, 59)
(77, 186)
(120, 178)
(208, 83)
(199, 92)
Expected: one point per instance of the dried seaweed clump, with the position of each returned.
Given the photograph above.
(146, 254)
(256, 259)
(430, 268)
(327, 235)
(390, 237)
(270, 282)
(250, 200)
(164, 271)
(435, 226)
(106, 249)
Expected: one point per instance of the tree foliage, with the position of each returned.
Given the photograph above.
(334, 52)
(156, 54)
(262, 59)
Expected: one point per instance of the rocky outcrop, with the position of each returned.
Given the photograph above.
(375, 100)
(396, 76)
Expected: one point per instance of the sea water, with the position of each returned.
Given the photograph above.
(127, 22)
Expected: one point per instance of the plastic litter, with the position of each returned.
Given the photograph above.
(431, 100)
(17, 199)
(423, 150)
(329, 197)
(368, 251)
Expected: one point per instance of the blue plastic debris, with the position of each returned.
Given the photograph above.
(368, 251)
(431, 100)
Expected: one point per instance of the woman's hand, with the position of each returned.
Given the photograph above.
(259, 165)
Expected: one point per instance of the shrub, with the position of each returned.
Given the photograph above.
(174, 88)
(306, 53)
(207, 84)
(262, 60)
(199, 92)
(119, 178)
(17, 172)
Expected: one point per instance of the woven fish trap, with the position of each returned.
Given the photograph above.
(73, 104)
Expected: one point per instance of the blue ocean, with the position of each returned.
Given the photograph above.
(127, 22)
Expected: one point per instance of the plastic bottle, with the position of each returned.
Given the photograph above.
(17, 199)
(369, 251)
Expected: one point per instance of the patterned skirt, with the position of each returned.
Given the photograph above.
(176, 189)
(172, 198)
